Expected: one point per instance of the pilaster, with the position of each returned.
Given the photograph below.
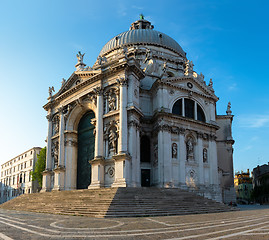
(123, 116)
(99, 124)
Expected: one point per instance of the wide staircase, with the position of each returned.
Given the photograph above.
(117, 202)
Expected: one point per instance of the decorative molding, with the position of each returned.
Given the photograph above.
(71, 142)
(122, 81)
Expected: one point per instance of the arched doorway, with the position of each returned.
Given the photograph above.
(85, 150)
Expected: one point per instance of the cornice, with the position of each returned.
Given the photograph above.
(158, 115)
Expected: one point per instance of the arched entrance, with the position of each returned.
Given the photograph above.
(85, 150)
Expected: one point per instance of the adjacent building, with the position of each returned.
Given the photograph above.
(261, 184)
(141, 116)
(15, 178)
(243, 187)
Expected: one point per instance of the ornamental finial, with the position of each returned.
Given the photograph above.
(229, 111)
(141, 16)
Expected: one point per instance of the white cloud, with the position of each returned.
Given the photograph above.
(233, 87)
(122, 9)
(253, 121)
(137, 7)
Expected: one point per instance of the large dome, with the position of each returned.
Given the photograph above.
(142, 33)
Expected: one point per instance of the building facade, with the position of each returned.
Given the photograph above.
(261, 184)
(140, 116)
(243, 187)
(16, 175)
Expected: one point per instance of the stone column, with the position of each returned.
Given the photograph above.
(200, 159)
(59, 171)
(167, 158)
(183, 107)
(132, 150)
(121, 167)
(160, 159)
(71, 160)
(182, 160)
(46, 183)
(123, 116)
(98, 172)
(99, 125)
(195, 110)
(138, 167)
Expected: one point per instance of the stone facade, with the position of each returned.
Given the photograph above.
(15, 175)
(153, 118)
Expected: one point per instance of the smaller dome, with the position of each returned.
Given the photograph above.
(141, 33)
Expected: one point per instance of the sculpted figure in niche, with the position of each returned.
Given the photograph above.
(204, 155)
(54, 153)
(55, 125)
(189, 146)
(111, 102)
(112, 138)
(174, 150)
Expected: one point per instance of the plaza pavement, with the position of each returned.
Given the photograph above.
(246, 224)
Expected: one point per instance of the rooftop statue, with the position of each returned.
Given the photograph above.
(80, 57)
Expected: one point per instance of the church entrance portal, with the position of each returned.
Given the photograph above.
(85, 150)
(145, 177)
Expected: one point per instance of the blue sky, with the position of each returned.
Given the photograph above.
(227, 40)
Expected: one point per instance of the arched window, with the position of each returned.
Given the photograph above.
(177, 108)
(189, 107)
(200, 114)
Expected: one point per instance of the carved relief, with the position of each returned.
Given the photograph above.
(92, 98)
(111, 172)
(191, 178)
(174, 150)
(55, 123)
(112, 100)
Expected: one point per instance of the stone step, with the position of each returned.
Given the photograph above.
(117, 202)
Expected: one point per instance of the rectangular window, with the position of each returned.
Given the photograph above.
(25, 165)
(31, 163)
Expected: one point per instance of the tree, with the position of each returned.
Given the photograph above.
(39, 166)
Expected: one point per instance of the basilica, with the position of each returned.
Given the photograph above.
(139, 117)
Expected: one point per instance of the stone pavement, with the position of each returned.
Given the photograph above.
(249, 224)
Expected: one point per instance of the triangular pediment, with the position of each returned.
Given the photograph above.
(192, 84)
(75, 79)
